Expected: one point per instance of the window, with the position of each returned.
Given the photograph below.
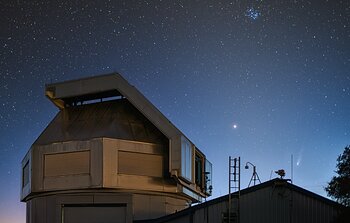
(208, 177)
(203, 173)
(198, 170)
(25, 176)
(186, 159)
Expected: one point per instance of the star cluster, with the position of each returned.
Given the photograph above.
(256, 79)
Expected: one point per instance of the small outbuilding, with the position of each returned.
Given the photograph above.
(108, 156)
(274, 201)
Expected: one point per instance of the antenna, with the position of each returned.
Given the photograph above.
(291, 167)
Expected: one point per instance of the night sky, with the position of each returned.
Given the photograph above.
(263, 80)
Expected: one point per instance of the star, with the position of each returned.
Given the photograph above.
(252, 13)
(276, 73)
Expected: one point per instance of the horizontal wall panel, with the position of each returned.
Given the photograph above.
(96, 213)
(71, 163)
(140, 164)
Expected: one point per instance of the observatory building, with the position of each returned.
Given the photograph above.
(108, 156)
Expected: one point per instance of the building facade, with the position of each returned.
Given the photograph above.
(109, 155)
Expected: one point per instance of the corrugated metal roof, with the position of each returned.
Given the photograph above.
(113, 119)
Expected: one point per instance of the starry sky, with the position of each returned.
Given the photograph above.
(263, 80)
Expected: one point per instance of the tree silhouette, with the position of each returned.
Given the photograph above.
(339, 187)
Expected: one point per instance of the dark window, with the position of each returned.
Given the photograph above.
(208, 177)
(199, 170)
(25, 176)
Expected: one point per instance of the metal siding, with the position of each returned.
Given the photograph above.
(50, 203)
(263, 205)
(215, 211)
(38, 210)
(270, 204)
(183, 219)
(210, 213)
(310, 210)
(199, 215)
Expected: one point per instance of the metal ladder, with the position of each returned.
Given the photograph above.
(234, 187)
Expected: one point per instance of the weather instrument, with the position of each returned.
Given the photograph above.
(255, 175)
(281, 173)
